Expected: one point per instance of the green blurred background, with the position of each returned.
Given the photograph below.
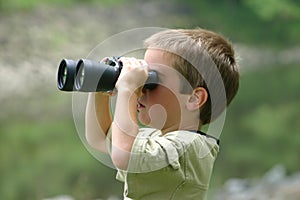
(41, 154)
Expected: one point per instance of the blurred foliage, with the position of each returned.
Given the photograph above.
(17, 5)
(270, 22)
(270, 9)
(266, 23)
(42, 159)
(262, 125)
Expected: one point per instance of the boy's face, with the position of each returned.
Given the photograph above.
(160, 108)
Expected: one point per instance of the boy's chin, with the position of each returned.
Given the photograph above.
(144, 120)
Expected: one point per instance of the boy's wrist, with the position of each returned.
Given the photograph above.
(129, 90)
(125, 90)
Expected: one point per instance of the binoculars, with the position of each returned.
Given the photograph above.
(93, 76)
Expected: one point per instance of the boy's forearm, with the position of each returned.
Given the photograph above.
(98, 120)
(102, 108)
(124, 128)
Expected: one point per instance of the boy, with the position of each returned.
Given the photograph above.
(173, 159)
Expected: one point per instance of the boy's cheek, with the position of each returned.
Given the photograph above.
(144, 117)
(158, 116)
(155, 116)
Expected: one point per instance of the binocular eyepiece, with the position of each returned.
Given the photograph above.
(93, 76)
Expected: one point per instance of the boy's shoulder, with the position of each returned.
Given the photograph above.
(168, 149)
(148, 132)
(178, 137)
(183, 136)
(152, 132)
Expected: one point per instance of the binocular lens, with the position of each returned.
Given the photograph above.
(66, 75)
(79, 79)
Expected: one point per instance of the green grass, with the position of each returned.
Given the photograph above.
(41, 159)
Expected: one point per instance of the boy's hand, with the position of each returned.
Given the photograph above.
(133, 75)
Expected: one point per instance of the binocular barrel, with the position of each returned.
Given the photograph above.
(93, 76)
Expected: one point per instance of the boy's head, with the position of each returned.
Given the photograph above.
(191, 52)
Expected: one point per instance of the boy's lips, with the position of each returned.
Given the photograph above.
(140, 105)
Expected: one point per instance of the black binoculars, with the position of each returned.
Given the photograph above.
(93, 76)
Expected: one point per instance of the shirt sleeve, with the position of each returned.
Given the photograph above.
(151, 151)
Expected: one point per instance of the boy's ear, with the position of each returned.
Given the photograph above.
(197, 99)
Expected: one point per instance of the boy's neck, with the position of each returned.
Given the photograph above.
(176, 128)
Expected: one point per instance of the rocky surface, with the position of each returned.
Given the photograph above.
(274, 185)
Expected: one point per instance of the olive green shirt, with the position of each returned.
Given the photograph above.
(176, 165)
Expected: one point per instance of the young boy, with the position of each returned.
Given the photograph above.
(173, 159)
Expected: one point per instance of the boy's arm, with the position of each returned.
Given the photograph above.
(97, 120)
(125, 125)
(124, 128)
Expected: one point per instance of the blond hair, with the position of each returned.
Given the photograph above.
(192, 52)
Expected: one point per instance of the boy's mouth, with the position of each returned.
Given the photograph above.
(140, 105)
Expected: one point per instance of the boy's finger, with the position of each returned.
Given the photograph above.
(123, 60)
(143, 63)
(104, 59)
